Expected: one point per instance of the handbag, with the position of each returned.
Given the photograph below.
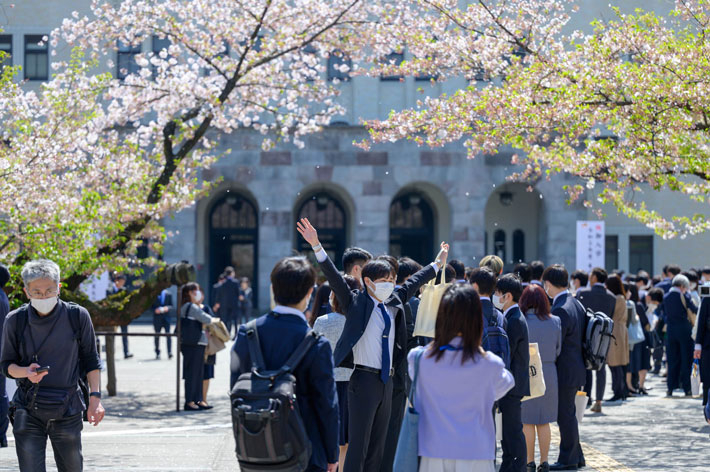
(425, 324)
(691, 314)
(695, 378)
(406, 458)
(636, 332)
(190, 330)
(537, 379)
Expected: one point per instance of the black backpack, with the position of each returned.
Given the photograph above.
(495, 339)
(74, 313)
(597, 339)
(268, 428)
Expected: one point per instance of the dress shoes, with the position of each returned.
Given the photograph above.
(544, 467)
(558, 466)
(596, 408)
(530, 467)
(3, 442)
(615, 398)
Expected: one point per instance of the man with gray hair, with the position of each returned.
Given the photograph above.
(46, 344)
(677, 305)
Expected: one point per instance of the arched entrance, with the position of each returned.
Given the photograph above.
(234, 237)
(327, 213)
(412, 227)
(513, 218)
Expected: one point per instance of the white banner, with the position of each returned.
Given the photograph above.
(590, 245)
(95, 286)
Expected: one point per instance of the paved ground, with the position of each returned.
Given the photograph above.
(142, 430)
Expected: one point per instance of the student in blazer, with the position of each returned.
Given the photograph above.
(374, 340)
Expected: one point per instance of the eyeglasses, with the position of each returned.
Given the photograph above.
(49, 293)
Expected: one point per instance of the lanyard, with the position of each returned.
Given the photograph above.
(449, 347)
(34, 346)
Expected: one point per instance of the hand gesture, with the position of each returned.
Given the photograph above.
(95, 413)
(443, 255)
(33, 376)
(309, 233)
(333, 467)
(696, 354)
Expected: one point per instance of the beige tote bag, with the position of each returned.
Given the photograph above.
(537, 379)
(428, 308)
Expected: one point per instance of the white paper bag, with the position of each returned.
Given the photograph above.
(537, 379)
(580, 403)
(499, 425)
(695, 379)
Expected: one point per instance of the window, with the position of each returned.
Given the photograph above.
(336, 60)
(6, 47)
(395, 58)
(158, 45)
(327, 213)
(36, 58)
(412, 220)
(499, 244)
(641, 254)
(611, 257)
(126, 60)
(518, 246)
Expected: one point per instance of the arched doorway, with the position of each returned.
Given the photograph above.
(234, 236)
(327, 213)
(412, 227)
(513, 218)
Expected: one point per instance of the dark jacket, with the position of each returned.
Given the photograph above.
(598, 298)
(4, 310)
(166, 301)
(517, 331)
(665, 285)
(676, 313)
(571, 371)
(227, 295)
(357, 305)
(703, 335)
(279, 336)
(488, 312)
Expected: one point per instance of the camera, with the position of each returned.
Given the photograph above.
(704, 290)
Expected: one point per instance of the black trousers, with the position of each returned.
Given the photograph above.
(658, 358)
(4, 406)
(124, 338)
(618, 380)
(229, 316)
(65, 434)
(162, 322)
(679, 348)
(513, 443)
(601, 383)
(193, 362)
(570, 450)
(369, 407)
(399, 403)
(704, 375)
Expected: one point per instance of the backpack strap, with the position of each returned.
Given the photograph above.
(301, 350)
(257, 358)
(20, 325)
(74, 313)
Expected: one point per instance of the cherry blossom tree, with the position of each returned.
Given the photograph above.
(91, 162)
(624, 108)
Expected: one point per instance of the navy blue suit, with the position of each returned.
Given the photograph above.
(514, 449)
(571, 375)
(703, 338)
(664, 285)
(279, 336)
(488, 310)
(227, 295)
(161, 321)
(679, 341)
(4, 405)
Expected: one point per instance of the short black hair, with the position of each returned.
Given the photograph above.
(485, 279)
(510, 283)
(536, 270)
(581, 276)
(449, 274)
(291, 279)
(600, 274)
(354, 256)
(673, 269)
(229, 271)
(407, 267)
(692, 275)
(377, 269)
(557, 275)
(642, 276)
(705, 270)
(459, 268)
(522, 270)
(4, 276)
(391, 261)
(656, 294)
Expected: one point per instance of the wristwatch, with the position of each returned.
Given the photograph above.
(95, 394)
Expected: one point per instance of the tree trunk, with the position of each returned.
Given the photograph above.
(111, 363)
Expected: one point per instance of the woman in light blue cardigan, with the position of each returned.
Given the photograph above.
(331, 326)
(458, 384)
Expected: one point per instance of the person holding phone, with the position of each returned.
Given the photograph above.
(45, 345)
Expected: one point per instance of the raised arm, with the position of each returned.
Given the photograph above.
(335, 278)
(415, 282)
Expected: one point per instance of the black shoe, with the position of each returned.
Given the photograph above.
(170, 356)
(633, 393)
(3, 442)
(589, 402)
(643, 391)
(582, 464)
(530, 467)
(615, 398)
(157, 357)
(205, 407)
(669, 393)
(187, 407)
(544, 467)
(127, 355)
(558, 466)
(689, 394)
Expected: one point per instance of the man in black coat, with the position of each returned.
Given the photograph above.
(227, 297)
(506, 296)
(702, 345)
(571, 373)
(597, 298)
(373, 343)
(679, 341)
(4, 310)
(161, 307)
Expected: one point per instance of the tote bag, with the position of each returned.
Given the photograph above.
(428, 308)
(406, 459)
(695, 378)
(537, 379)
(636, 332)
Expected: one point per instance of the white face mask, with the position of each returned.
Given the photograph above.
(693, 286)
(44, 305)
(497, 302)
(383, 290)
(197, 296)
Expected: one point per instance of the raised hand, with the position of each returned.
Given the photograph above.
(443, 255)
(309, 233)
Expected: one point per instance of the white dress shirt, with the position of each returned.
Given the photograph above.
(287, 310)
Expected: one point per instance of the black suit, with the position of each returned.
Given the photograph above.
(161, 321)
(597, 298)
(571, 375)
(514, 449)
(227, 295)
(664, 285)
(679, 341)
(703, 338)
(369, 400)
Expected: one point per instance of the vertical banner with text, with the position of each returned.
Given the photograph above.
(590, 245)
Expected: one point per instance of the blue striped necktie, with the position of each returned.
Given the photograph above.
(385, 373)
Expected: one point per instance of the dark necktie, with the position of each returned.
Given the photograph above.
(385, 373)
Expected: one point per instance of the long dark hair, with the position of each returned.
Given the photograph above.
(353, 284)
(319, 300)
(460, 314)
(186, 290)
(615, 285)
(535, 298)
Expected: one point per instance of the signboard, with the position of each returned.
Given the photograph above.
(95, 286)
(590, 245)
